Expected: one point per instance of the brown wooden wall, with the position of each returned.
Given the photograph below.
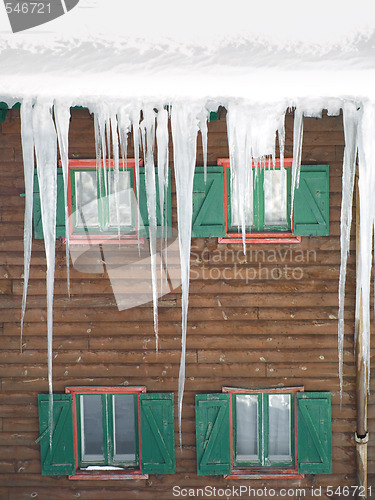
(264, 333)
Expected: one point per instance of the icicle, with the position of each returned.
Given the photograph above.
(162, 139)
(28, 165)
(124, 128)
(251, 136)
(350, 115)
(136, 141)
(204, 132)
(116, 161)
(101, 153)
(366, 184)
(62, 121)
(281, 137)
(241, 172)
(297, 153)
(148, 130)
(184, 121)
(45, 140)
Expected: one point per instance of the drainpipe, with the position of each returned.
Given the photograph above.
(361, 435)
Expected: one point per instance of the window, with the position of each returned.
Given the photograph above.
(96, 210)
(268, 204)
(95, 206)
(263, 434)
(108, 432)
(263, 430)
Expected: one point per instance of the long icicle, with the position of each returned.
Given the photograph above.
(350, 117)
(135, 117)
(366, 184)
(148, 127)
(62, 120)
(162, 141)
(297, 153)
(28, 166)
(116, 173)
(184, 121)
(46, 158)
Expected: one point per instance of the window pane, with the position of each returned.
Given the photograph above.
(235, 209)
(275, 195)
(92, 428)
(279, 427)
(125, 195)
(86, 199)
(247, 427)
(124, 427)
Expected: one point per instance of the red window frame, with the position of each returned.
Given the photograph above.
(258, 474)
(255, 237)
(105, 474)
(92, 239)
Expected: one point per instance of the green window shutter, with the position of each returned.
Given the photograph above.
(157, 433)
(314, 432)
(213, 434)
(60, 210)
(208, 203)
(143, 204)
(59, 459)
(311, 201)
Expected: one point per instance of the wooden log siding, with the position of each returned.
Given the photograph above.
(262, 333)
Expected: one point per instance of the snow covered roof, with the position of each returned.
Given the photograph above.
(165, 50)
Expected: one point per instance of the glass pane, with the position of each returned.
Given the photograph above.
(86, 199)
(247, 427)
(235, 209)
(92, 428)
(279, 427)
(275, 195)
(125, 195)
(124, 427)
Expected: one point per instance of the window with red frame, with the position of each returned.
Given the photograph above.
(107, 432)
(263, 433)
(268, 204)
(98, 206)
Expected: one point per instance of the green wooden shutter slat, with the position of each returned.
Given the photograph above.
(314, 432)
(60, 208)
(208, 203)
(212, 434)
(142, 205)
(311, 205)
(157, 433)
(58, 460)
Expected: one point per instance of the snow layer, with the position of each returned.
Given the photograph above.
(165, 50)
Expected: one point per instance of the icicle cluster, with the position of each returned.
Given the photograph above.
(39, 135)
(113, 123)
(251, 137)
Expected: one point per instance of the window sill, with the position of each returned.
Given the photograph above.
(245, 474)
(105, 475)
(98, 240)
(261, 238)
